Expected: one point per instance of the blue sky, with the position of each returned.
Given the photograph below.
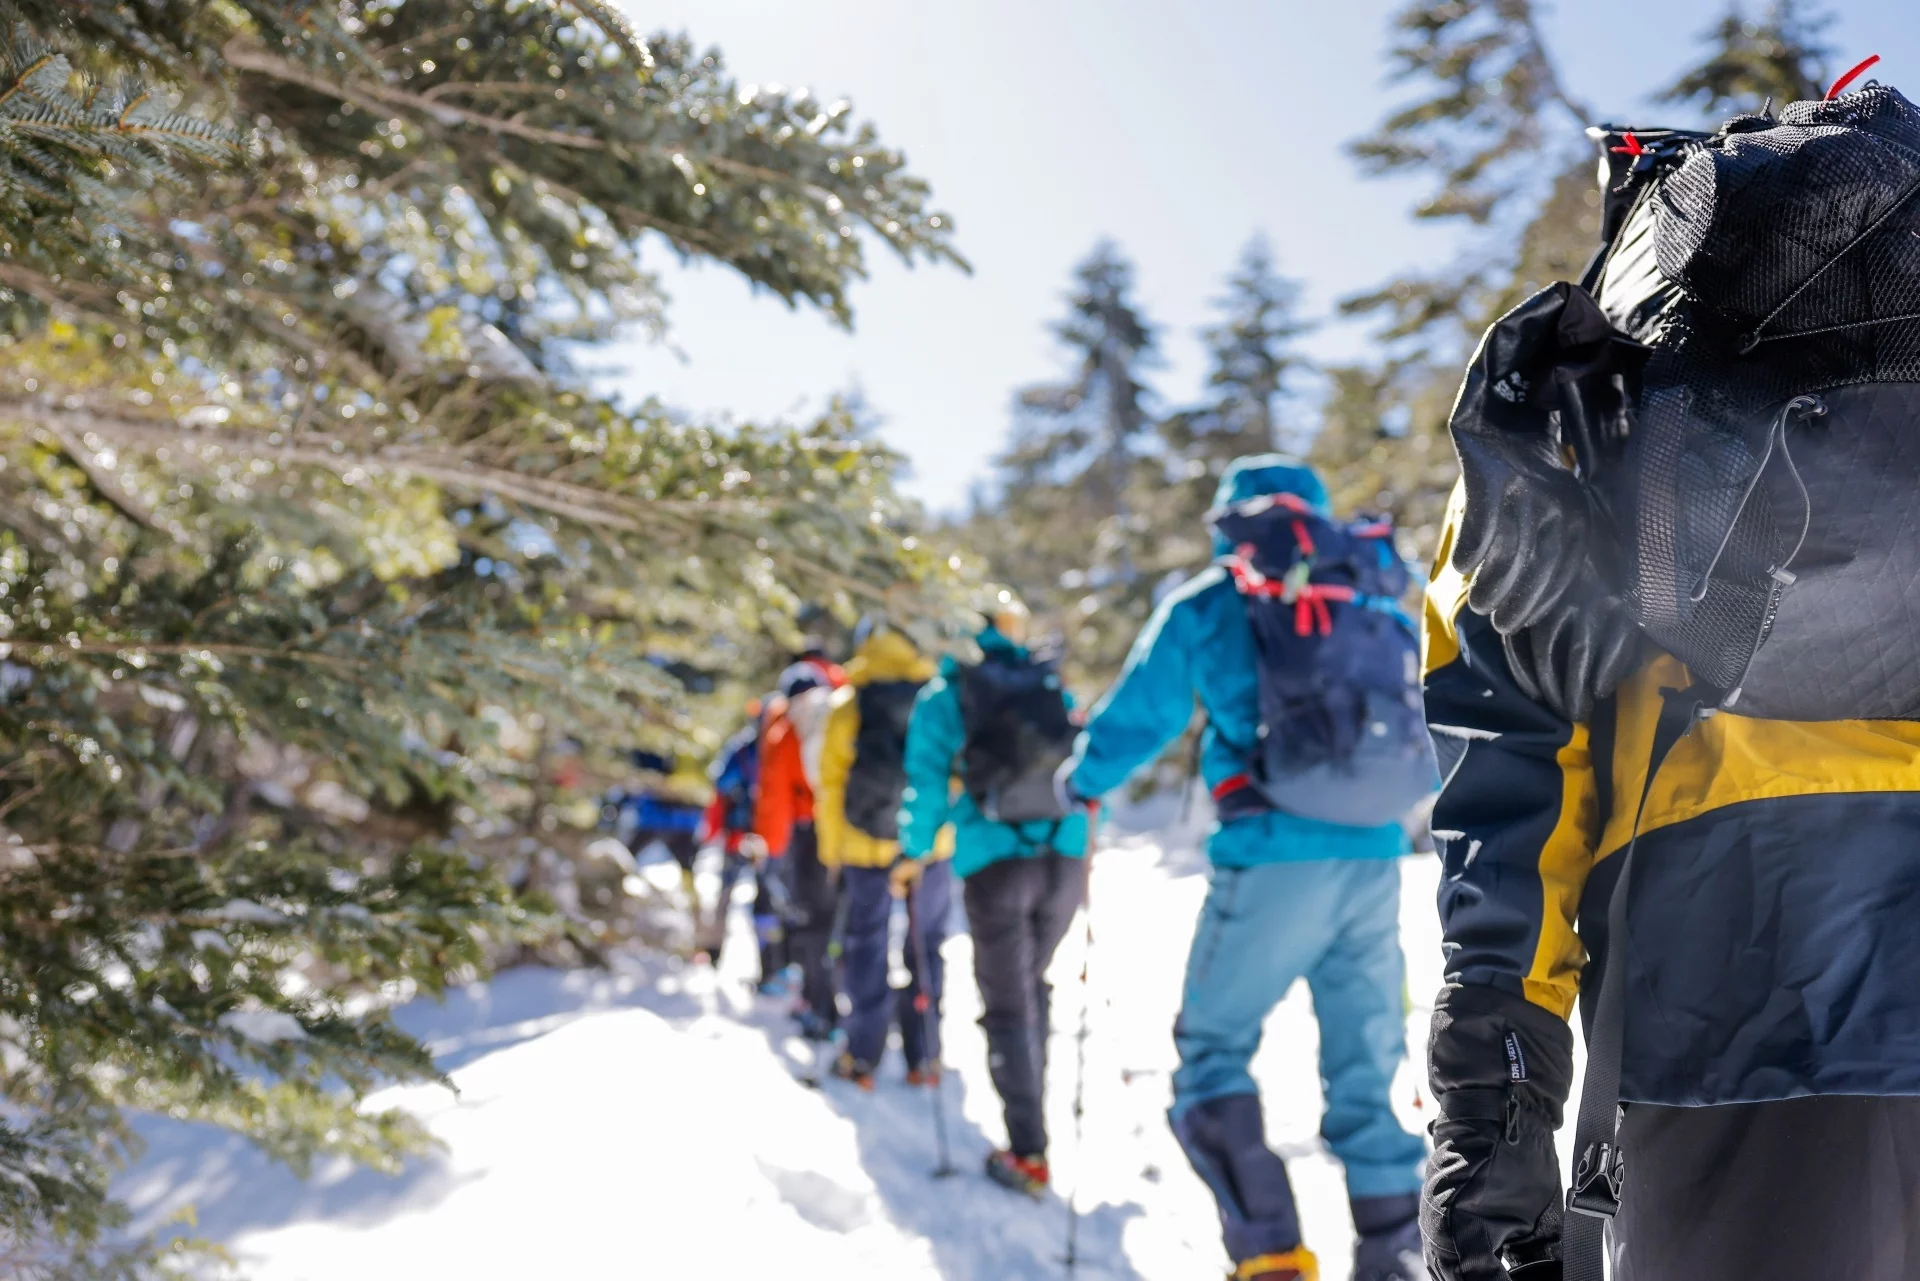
(1179, 130)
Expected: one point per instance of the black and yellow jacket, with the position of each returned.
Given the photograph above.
(888, 664)
(1774, 945)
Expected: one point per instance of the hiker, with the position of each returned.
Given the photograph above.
(728, 823)
(1002, 726)
(661, 806)
(783, 818)
(1682, 744)
(856, 818)
(663, 809)
(1290, 896)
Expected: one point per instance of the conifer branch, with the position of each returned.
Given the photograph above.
(381, 97)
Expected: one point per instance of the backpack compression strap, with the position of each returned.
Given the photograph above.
(1309, 600)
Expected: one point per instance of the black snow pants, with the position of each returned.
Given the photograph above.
(1018, 910)
(1790, 1191)
(810, 940)
(769, 920)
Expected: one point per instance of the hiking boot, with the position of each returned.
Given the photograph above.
(812, 1026)
(1392, 1255)
(1297, 1264)
(848, 1068)
(927, 1074)
(1026, 1174)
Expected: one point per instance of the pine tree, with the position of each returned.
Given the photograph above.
(1100, 409)
(1253, 358)
(1493, 122)
(1253, 362)
(1061, 525)
(313, 546)
(1778, 57)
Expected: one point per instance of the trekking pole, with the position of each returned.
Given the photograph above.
(929, 1031)
(1080, 1050)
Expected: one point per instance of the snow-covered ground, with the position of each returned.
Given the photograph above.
(647, 1123)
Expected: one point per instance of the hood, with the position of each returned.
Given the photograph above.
(810, 673)
(887, 656)
(1253, 475)
(992, 640)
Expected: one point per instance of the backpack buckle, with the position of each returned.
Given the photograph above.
(1597, 1181)
(1299, 578)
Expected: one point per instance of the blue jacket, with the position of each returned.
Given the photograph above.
(931, 800)
(1199, 644)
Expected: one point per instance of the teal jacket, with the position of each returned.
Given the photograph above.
(931, 800)
(1199, 645)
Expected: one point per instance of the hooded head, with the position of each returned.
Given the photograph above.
(1253, 475)
(1006, 620)
(885, 653)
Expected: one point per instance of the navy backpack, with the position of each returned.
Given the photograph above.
(1343, 732)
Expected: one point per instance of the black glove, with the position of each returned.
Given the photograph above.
(1546, 400)
(1578, 654)
(1500, 1069)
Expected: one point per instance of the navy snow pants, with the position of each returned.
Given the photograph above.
(873, 1004)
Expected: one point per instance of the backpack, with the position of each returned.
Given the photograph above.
(736, 776)
(1721, 416)
(1343, 733)
(878, 775)
(807, 713)
(1018, 733)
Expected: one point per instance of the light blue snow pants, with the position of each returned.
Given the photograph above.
(1335, 923)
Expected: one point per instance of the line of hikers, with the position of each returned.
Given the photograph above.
(1669, 671)
(894, 777)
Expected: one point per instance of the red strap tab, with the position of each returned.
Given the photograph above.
(1852, 74)
(1230, 784)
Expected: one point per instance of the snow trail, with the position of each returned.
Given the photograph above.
(647, 1123)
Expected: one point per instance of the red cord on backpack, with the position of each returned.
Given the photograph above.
(1853, 73)
(1632, 146)
(1310, 612)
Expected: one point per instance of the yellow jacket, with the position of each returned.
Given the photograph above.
(886, 657)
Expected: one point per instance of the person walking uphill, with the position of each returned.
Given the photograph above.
(1682, 743)
(857, 821)
(1002, 726)
(728, 822)
(783, 818)
(1290, 641)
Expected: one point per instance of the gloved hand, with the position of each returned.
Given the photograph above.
(1063, 789)
(1500, 1068)
(754, 846)
(1546, 399)
(1578, 654)
(901, 876)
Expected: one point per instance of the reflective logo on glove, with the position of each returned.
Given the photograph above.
(1516, 1059)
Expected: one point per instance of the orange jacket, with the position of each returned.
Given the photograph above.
(786, 796)
(790, 745)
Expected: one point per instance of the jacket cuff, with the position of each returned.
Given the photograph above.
(1485, 1038)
